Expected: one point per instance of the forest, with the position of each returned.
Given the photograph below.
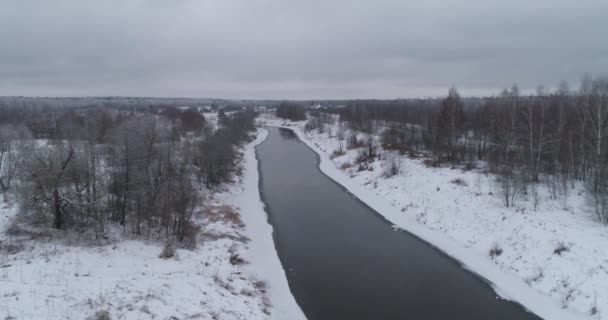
(552, 137)
(90, 168)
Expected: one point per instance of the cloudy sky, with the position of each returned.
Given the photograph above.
(296, 49)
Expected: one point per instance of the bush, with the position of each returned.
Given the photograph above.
(363, 167)
(346, 165)
(100, 315)
(392, 164)
(336, 154)
(11, 248)
(495, 251)
(353, 142)
(536, 277)
(168, 251)
(459, 182)
(190, 235)
(236, 259)
(561, 248)
(431, 163)
(362, 157)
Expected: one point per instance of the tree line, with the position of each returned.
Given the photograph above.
(291, 110)
(142, 170)
(555, 137)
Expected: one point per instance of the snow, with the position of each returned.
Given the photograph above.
(466, 221)
(67, 278)
(261, 251)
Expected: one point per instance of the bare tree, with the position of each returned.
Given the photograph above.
(451, 122)
(15, 144)
(596, 115)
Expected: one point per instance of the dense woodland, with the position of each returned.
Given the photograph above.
(554, 138)
(291, 110)
(85, 168)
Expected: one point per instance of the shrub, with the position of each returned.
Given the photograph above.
(431, 163)
(594, 310)
(495, 251)
(190, 235)
(362, 157)
(459, 182)
(346, 165)
(100, 315)
(236, 259)
(11, 248)
(353, 142)
(363, 167)
(336, 154)
(469, 166)
(168, 251)
(561, 248)
(536, 277)
(392, 164)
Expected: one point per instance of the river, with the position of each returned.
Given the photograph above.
(345, 261)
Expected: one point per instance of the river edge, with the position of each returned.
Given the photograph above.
(262, 251)
(507, 286)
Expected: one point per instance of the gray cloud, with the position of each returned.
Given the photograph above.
(296, 49)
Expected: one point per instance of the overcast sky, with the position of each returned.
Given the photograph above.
(296, 49)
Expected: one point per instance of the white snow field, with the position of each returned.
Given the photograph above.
(67, 279)
(467, 220)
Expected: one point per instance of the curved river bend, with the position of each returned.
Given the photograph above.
(344, 261)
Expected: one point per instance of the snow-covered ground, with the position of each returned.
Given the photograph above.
(261, 251)
(64, 278)
(467, 220)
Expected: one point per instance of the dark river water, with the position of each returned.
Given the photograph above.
(344, 261)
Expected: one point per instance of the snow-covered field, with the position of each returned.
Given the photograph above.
(467, 220)
(68, 279)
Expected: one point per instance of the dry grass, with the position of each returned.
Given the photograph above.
(459, 182)
(214, 236)
(469, 166)
(346, 165)
(225, 214)
(11, 248)
(17, 230)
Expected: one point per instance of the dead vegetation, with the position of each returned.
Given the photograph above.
(561, 248)
(495, 251)
(10, 248)
(459, 182)
(536, 277)
(168, 251)
(346, 165)
(336, 153)
(225, 214)
(100, 315)
(235, 258)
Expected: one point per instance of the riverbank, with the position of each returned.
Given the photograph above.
(467, 221)
(234, 273)
(265, 263)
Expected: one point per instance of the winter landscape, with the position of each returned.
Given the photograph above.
(293, 160)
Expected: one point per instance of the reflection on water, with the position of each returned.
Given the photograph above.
(288, 134)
